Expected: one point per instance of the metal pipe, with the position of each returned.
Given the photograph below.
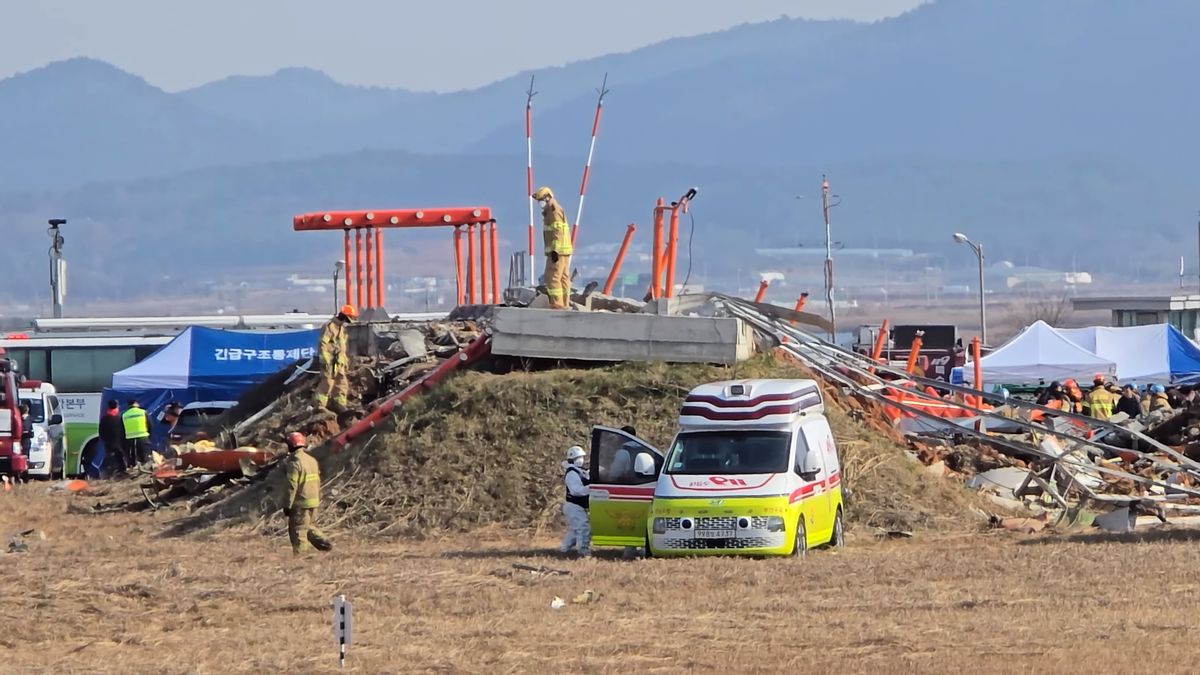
(458, 266)
(471, 273)
(828, 256)
(914, 353)
(655, 260)
(587, 167)
(370, 267)
(672, 250)
(349, 263)
(496, 295)
(616, 268)
(484, 246)
(358, 267)
(762, 290)
(800, 303)
(379, 286)
(880, 340)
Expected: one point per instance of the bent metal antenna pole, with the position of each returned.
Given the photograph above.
(529, 172)
(587, 167)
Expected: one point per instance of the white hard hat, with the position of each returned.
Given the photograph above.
(575, 452)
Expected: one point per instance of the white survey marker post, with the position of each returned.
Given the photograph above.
(342, 620)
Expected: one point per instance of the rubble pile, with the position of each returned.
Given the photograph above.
(241, 446)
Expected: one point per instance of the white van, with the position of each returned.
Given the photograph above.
(47, 448)
(754, 470)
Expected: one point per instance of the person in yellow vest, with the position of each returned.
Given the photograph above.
(1100, 400)
(303, 497)
(137, 434)
(334, 359)
(556, 236)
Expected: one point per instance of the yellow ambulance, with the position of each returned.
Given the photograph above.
(753, 470)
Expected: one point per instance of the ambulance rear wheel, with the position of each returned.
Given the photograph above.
(800, 548)
(838, 538)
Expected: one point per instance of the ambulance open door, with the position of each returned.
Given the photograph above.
(620, 496)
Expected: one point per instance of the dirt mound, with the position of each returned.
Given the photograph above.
(485, 449)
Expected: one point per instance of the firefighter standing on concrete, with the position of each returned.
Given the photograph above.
(303, 497)
(333, 392)
(137, 434)
(575, 508)
(556, 236)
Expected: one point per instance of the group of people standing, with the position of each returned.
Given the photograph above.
(129, 437)
(1105, 399)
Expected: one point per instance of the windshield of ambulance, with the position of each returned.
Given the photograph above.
(729, 452)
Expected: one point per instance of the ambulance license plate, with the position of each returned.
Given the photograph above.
(714, 534)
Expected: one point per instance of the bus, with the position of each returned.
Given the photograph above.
(80, 367)
(79, 356)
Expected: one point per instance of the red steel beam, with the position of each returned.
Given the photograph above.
(478, 349)
(378, 267)
(349, 262)
(434, 217)
(616, 268)
(485, 239)
(370, 267)
(472, 275)
(495, 264)
(358, 267)
(458, 266)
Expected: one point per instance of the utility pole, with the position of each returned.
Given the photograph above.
(828, 258)
(58, 266)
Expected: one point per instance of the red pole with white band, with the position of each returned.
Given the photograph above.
(587, 167)
(529, 174)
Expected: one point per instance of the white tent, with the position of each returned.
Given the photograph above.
(1039, 354)
(1156, 353)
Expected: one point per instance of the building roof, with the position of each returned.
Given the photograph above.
(1138, 302)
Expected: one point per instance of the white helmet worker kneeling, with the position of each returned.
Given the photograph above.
(575, 480)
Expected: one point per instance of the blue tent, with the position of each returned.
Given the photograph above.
(206, 364)
(1157, 353)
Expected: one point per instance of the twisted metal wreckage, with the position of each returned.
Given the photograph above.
(1073, 461)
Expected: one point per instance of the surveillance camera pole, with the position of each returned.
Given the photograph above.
(58, 266)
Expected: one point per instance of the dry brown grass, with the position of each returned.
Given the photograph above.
(485, 449)
(107, 595)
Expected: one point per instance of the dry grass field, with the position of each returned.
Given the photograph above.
(110, 594)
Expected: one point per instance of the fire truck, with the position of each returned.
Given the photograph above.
(13, 462)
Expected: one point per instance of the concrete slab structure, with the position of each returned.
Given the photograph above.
(604, 336)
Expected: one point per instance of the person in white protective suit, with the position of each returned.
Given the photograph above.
(575, 507)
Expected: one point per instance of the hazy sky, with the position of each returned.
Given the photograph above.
(439, 45)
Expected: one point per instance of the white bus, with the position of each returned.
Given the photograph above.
(79, 356)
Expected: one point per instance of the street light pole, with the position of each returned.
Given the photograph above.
(978, 250)
(337, 272)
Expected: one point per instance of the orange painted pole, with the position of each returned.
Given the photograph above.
(880, 340)
(472, 274)
(349, 262)
(485, 239)
(458, 266)
(914, 353)
(370, 267)
(616, 268)
(672, 250)
(358, 267)
(978, 365)
(379, 289)
(496, 295)
(762, 290)
(800, 303)
(655, 259)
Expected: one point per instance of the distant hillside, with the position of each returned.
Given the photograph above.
(972, 80)
(214, 224)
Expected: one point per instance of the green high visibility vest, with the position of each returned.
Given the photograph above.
(135, 423)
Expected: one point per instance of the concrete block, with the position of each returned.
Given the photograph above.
(597, 336)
